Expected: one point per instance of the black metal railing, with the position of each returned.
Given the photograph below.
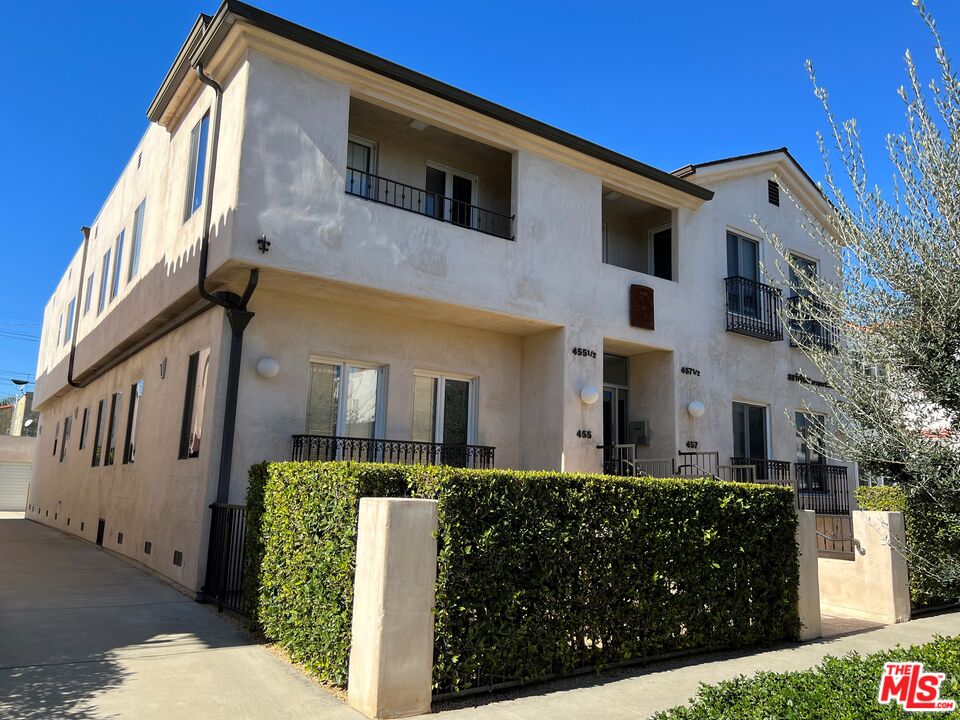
(621, 460)
(226, 558)
(822, 488)
(754, 309)
(699, 464)
(439, 207)
(403, 452)
(772, 471)
(806, 324)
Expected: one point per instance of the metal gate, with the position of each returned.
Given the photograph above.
(226, 558)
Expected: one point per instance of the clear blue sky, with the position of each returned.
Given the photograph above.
(666, 83)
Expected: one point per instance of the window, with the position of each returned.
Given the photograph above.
(71, 308)
(198, 166)
(137, 239)
(98, 437)
(104, 277)
(66, 437)
(117, 267)
(59, 329)
(773, 193)
(191, 427)
(800, 265)
(743, 261)
(84, 422)
(444, 411)
(111, 447)
(810, 432)
(361, 164)
(88, 299)
(130, 449)
(451, 194)
(345, 399)
(749, 431)
(56, 437)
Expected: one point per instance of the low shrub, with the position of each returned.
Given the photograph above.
(838, 689)
(933, 540)
(538, 573)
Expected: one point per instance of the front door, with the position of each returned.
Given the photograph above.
(450, 195)
(614, 428)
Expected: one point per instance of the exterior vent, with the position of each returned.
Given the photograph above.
(147, 547)
(119, 538)
(773, 193)
(81, 527)
(68, 522)
(177, 558)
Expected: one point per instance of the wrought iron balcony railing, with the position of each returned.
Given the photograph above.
(403, 452)
(439, 207)
(822, 488)
(772, 471)
(806, 325)
(753, 309)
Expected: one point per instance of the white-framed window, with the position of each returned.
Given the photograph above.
(345, 398)
(751, 436)
(117, 267)
(191, 424)
(89, 296)
(197, 166)
(451, 194)
(444, 408)
(743, 261)
(361, 166)
(136, 241)
(104, 279)
(71, 308)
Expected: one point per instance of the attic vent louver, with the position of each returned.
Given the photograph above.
(773, 193)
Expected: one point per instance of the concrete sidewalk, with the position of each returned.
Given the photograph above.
(84, 635)
(641, 692)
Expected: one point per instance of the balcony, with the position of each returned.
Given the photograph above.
(805, 329)
(753, 309)
(403, 452)
(822, 488)
(439, 207)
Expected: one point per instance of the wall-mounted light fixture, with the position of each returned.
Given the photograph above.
(163, 368)
(589, 395)
(268, 367)
(696, 408)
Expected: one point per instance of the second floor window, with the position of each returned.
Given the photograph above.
(130, 450)
(104, 279)
(191, 428)
(84, 423)
(136, 241)
(88, 300)
(743, 261)
(117, 266)
(70, 311)
(98, 437)
(810, 437)
(66, 437)
(110, 450)
(198, 166)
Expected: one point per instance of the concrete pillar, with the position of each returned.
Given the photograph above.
(874, 585)
(808, 602)
(391, 655)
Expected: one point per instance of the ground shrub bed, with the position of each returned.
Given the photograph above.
(538, 573)
(933, 540)
(838, 689)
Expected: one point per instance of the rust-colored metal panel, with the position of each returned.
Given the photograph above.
(641, 306)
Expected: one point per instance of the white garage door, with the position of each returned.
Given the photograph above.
(14, 481)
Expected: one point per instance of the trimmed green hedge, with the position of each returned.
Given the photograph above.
(837, 689)
(538, 573)
(933, 539)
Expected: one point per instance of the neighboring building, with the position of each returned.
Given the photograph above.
(6, 417)
(25, 418)
(433, 269)
(16, 471)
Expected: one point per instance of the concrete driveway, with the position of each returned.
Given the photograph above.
(84, 635)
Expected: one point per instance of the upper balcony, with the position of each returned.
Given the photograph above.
(411, 165)
(753, 309)
(638, 235)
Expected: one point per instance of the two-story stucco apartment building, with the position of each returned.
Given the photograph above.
(311, 243)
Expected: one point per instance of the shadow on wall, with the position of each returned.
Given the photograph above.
(74, 621)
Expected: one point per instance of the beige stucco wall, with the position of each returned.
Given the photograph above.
(17, 448)
(159, 497)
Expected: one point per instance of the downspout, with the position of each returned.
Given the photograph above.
(76, 310)
(234, 305)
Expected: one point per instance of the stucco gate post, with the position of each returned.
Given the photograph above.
(391, 654)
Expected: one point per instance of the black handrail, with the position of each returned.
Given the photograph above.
(753, 309)
(772, 471)
(404, 452)
(439, 207)
(806, 327)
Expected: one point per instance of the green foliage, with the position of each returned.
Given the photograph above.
(304, 530)
(838, 689)
(538, 573)
(933, 540)
(886, 498)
